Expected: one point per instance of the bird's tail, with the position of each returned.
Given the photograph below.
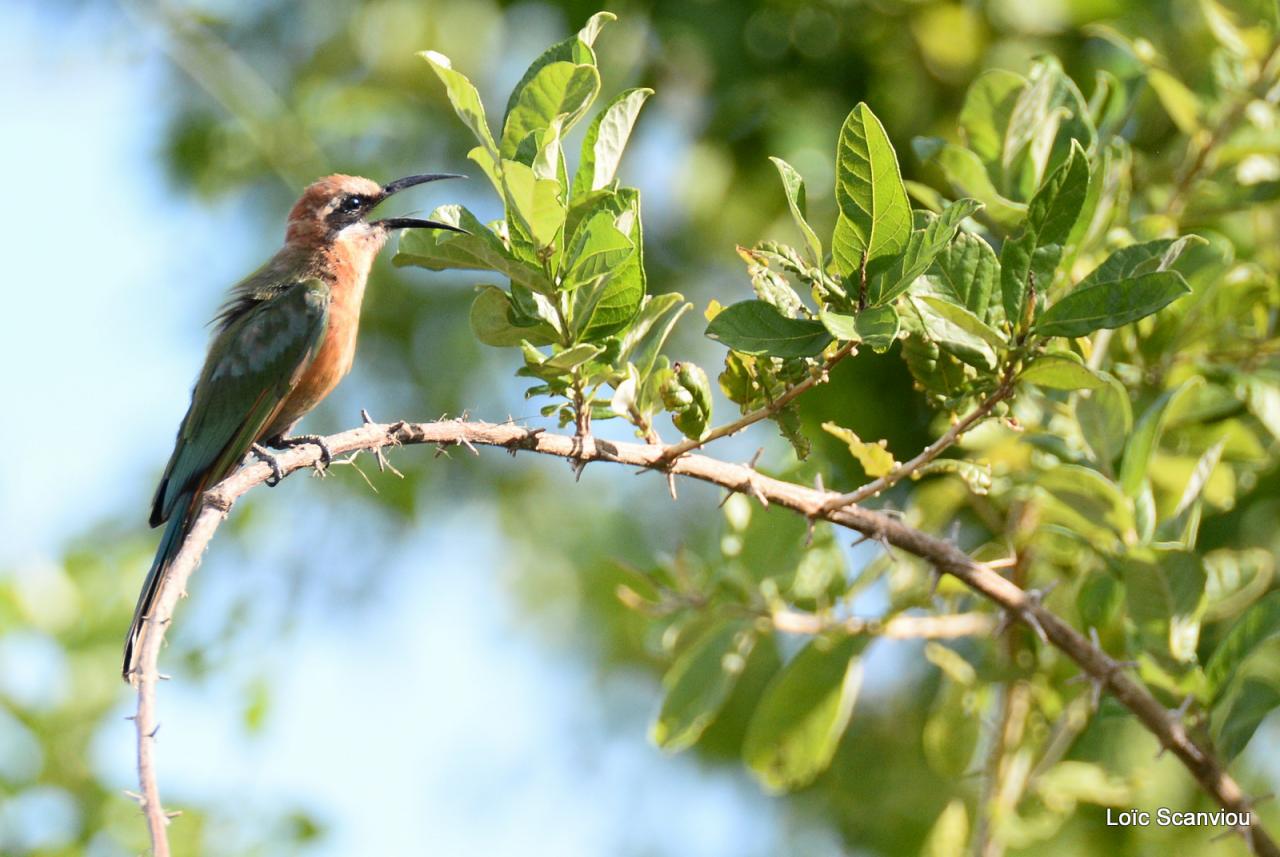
(174, 534)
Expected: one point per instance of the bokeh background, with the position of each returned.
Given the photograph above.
(435, 664)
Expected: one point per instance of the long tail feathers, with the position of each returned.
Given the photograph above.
(174, 533)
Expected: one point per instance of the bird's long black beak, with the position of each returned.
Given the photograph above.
(398, 185)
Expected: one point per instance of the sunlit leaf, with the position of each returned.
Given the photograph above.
(699, 682)
(756, 327)
(875, 214)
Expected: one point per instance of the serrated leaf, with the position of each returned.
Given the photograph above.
(793, 187)
(875, 327)
(798, 723)
(921, 249)
(606, 138)
(699, 682)
(491, 322)
(756, 327)
(875, 458)
(464, 98)
(875, 214)
(1111, 305)
(1059, 372)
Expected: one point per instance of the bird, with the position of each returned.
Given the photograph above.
(282, 341)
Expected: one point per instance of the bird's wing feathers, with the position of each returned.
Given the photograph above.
(253, 363)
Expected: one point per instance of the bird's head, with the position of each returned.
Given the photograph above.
(336, 209)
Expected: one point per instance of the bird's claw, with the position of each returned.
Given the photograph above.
(326, 454)
(274, 463)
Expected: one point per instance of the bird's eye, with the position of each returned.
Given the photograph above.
(352, 203)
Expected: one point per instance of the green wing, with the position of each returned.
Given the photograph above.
(253, 363)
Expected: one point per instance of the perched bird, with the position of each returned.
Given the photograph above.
(283, 340)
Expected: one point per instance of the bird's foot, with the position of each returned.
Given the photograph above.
(326, 454)
(260, 452)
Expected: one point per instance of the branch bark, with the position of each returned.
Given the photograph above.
(947, 558)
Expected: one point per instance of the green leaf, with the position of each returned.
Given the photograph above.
(797, 725)
(959, 331)
(464, 98)
(535, 205)
(1259, 622)
(968, 177)
(558, 91)
(793, 187)
(606, 138)
(576, 49)
(699, 682)
(1034, 254)
(1146, 434)
(1059, 372)
(875, 327)
(492, 325)
(1049, 119)
(572, 358)
(645, 336)
(921, 248)
(1091, 495)
(875, 214)
(597, 249)
(1106, 418)
(966, 270)
(1262, 395)
(1243, 713)
(1138, 259)
(1179, 102)
(479, 249)
(875, 458)
(607, 307)
(1110, 305)
(756, 327)
(988, 105)
(949, 836)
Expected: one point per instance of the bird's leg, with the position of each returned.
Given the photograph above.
(326, 454)
(259, 451)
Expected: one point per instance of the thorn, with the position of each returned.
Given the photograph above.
(671, 484)
(152, 733)
(1003, 562)
(755, 458)
(808, 536)
(936, 575)
(729, 493)
(467, 443)
(131, 717)
(365, 418)
(172, 814)
(134, 796)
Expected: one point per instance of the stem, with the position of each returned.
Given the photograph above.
(671, 453)
(812, 503)
(929, 453)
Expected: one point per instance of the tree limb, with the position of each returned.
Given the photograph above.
(814, 504)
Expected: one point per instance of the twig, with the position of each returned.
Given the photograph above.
(671, 453)
(929, 453)
(947, 558)
(947, 627)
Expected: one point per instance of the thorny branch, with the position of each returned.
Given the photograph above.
(815, 504)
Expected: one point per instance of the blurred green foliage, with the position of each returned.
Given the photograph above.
(1147, 492)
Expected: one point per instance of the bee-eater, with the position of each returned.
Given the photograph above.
(282, 341)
